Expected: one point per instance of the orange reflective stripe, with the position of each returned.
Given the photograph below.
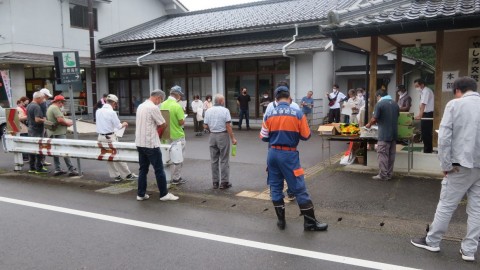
(304, 128)
(298, 172)
(283, 123)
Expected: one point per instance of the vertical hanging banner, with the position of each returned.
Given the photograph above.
(5, 85)
(474, 59)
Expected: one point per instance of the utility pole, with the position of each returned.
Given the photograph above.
(93, 69)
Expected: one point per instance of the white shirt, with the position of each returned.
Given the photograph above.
(340, 97)
(217, 118)
(426, 97)
(107, 120)
(147, 119)
(197, 104)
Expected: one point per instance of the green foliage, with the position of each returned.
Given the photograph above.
(424, 53)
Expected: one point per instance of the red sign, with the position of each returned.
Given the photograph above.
(12, 120)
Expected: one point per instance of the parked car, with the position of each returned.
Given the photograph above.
(3, 122)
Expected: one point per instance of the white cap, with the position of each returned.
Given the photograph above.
(46, 92)
(112, 98)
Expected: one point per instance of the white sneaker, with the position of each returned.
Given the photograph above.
(131, 177)
(169, 197)
(467, 258)
(143, 198)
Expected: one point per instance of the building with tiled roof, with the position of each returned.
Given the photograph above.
(249, 45)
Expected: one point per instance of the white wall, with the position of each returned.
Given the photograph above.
(38, 28)
(17, 82)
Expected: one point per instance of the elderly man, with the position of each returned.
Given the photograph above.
(426, 111)
(36, 120)
(106, 125)
(218, 122)
(44, 107)
(459, 155)
(55, 115)
(283, 128)
(307, 106)
(385, 114)
(149, 118)
(177, 134)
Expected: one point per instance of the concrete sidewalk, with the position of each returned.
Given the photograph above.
(403, 205)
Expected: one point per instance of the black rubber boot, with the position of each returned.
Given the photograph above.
(310, 222)
(280, 211)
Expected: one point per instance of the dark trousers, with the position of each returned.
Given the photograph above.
(147, 156)
(426, 127)
(247, 118)
(334, 116)
(197, 125)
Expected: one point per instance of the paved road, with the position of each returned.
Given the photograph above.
(152, 235)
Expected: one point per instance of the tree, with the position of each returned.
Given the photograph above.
(424, 53)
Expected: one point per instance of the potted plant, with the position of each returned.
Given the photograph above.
(361, 155)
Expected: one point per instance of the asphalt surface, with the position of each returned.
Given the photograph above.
(35, 238)
(382, 215)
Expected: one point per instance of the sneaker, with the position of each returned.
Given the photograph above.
(422, 243)
(57, 173)
(46, 163)
(41, 171)
(131, 177)
(215, 185)
(73, 173)
(225, 185)
(378, 177)
(143, 198)
(169, 197)
(32, 171)
(117, 179)
(179, 181)
(467, 258)
(290, 197)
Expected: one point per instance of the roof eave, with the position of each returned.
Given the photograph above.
(210, 34)
(404, 26)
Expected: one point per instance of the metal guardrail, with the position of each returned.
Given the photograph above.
(85, 149)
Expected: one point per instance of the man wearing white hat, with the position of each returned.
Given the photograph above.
(107, 123)
(44, 107)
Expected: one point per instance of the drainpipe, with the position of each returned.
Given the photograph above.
(147, 54)
(293, 65)
(202, 58)
(284, 48)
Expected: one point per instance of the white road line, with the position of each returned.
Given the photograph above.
(212, 237)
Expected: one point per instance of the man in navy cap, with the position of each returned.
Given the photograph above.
(282, 128)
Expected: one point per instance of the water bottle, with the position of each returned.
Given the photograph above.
(234, 150)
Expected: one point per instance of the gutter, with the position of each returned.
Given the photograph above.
(294, 38)
(147, 54)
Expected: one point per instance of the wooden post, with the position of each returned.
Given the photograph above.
(437, 109)
(399, 67)
(373, 75)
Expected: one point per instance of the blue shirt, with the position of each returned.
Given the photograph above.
(307, 105)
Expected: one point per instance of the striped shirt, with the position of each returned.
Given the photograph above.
(147, 120)
(285, 126)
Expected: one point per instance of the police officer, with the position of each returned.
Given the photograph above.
(282, 128)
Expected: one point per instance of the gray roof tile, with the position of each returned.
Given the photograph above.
(258, 15)
(230, 52)
(404, 11)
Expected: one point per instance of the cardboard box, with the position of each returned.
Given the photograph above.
(329, 129)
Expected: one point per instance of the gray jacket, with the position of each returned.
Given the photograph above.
(459, 134)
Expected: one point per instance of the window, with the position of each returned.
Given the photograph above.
(258, 76)
(131, 85)
(79, 17)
